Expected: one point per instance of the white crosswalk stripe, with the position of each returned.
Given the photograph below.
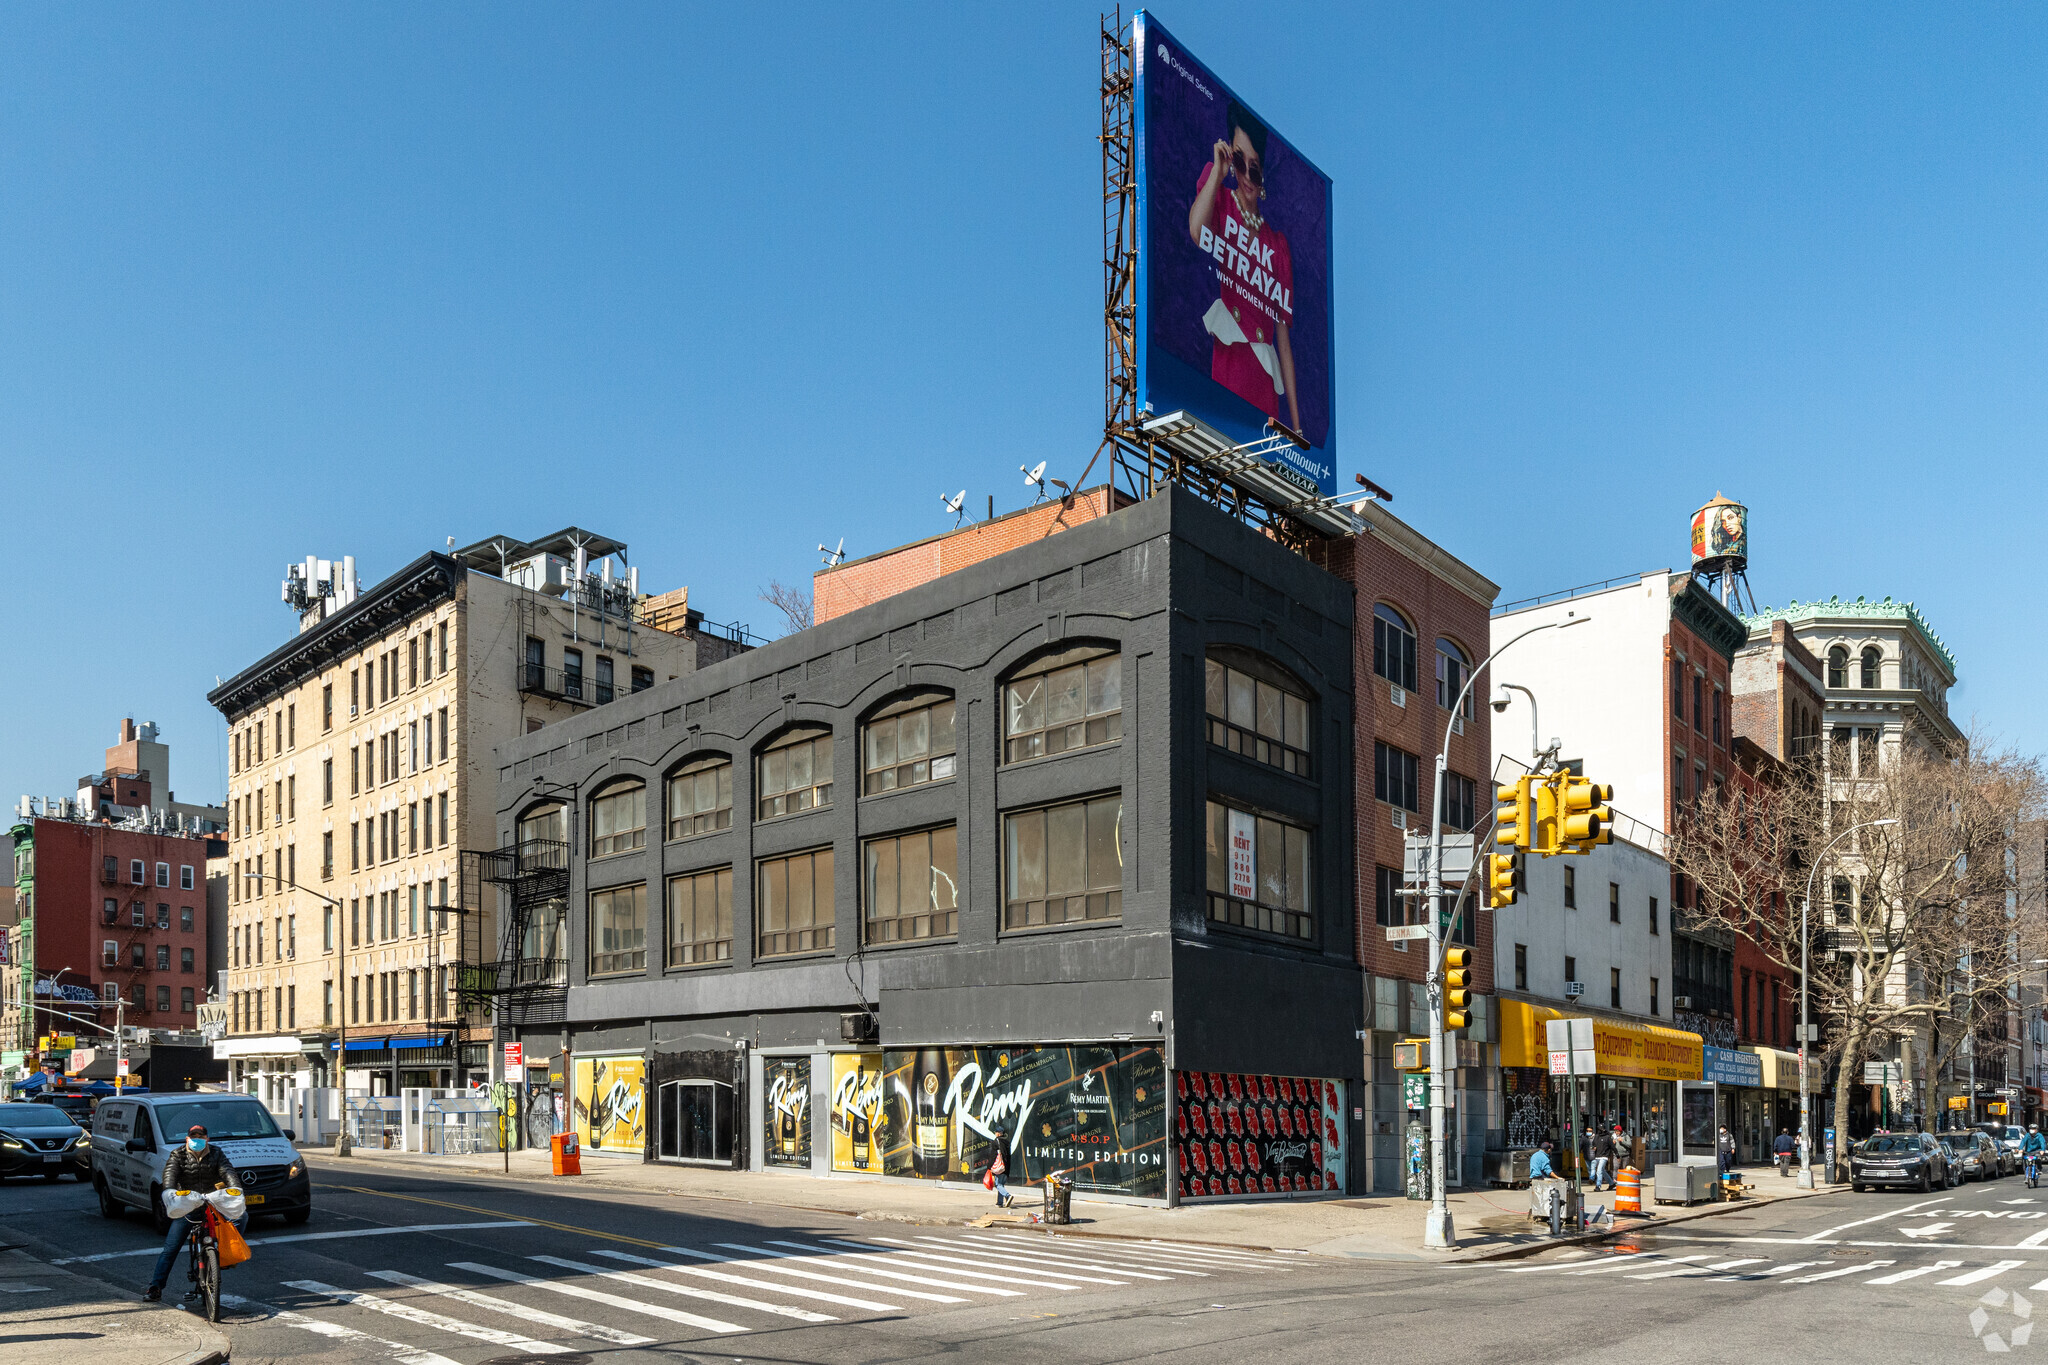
(1915, 1272)
(518, 1310)
(334, 1331)
(773, 1262)
(577, 1291)
(1700, 1269)
(1768, 1271)
(1637, 1265)
(1206, 1255)
(1837, 1274)
(1112, 1256)
(440, 1322)
(816, 1295)
(708, 1295)
(1976, 1276)
(1010, 1270)
(960, 1269)
(826, 1256)
(1055, 1260)
(1619, 1258)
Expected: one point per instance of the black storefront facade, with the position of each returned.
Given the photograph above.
(1058, 845)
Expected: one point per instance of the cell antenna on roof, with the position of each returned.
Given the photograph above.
(956, 505)
(1035, 478)
(832, 557)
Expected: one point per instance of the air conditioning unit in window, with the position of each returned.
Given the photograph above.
(1681, 1002)
(1397, 694)
(1400, 818)
(859, 1028)
(1457, 724)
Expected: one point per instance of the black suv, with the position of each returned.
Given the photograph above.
(1914, 1160)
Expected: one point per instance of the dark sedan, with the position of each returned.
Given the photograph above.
(1912, 1160)
(41, 1139)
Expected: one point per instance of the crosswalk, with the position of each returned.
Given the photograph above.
(1813, 1265)
(561, 1301)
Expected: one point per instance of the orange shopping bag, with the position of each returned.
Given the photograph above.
(234, 1248)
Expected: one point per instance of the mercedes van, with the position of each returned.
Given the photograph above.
(133, 1136)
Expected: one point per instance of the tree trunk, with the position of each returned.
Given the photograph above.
(1847, 1073)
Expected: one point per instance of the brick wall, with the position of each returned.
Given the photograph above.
(860, 582)
(1435, 607)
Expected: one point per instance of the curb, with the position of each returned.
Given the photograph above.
(47, 1254)
(1646, 1225)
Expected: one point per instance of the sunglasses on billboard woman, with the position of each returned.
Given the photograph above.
(1248, 168)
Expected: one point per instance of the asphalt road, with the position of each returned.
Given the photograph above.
(397, 1268)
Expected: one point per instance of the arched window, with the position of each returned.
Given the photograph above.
(1256, 709)
(1060, 702)
(1393, 647)
(794, 774)
(700, 797)
(908, 743)
(1838, 667)
(1871, 666)
(1453, 670)
(543, 837)
(618, 819)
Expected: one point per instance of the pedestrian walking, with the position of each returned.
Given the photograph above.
(997, 1168)
(1603, 1160)
(1784, 1148)
(1726, 1148)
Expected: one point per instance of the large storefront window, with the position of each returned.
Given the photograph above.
(608, 1103)
(1258, 873)
(1096, 1113)
(787, 1141)
(1238, 1134)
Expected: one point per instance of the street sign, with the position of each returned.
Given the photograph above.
(1812, 1033)
(1881, 1073)
(1415, 1090)
(1399, 932)
(121, 1066)
(514, 1057)
(1560, 1063)
(1958, 1102)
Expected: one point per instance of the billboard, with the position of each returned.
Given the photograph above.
(1097, 1113)
(1234, 248)
(609, 1103)
(858, 1132)
(1238, 1135)
(787, 1141)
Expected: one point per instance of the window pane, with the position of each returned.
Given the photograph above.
(1216, 690)
(1066, 696)
(881, 743)
(881, 870)
(802, 901)
(1297, 869)
(774, 897)
(1270, 723)
(800, 765)
(942, 728)
(1297, 722)
(775, 771)
(913, 735)
(1272, 863)
(1105, 854)
(1025, 855)
(1219, 849)
(1066, 845)
(946, 869)
(1243, 701)
(914, 865)
(1024, 708)
(1105, 685)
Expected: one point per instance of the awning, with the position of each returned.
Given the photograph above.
(281, 1045)
(368, 1044)
(1781, 1069)
(427, 1040)
(1622, 1047)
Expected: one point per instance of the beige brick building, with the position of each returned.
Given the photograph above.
(361, 761)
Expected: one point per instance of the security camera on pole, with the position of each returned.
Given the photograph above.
(1437, 1231)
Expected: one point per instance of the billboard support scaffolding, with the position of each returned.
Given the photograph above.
(1148, 452)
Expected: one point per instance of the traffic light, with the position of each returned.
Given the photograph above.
(1457, 987)
(1583, 814)
(1511, 820)
(1543, 818)
(1500, 880)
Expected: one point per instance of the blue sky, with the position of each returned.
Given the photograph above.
(725, 282)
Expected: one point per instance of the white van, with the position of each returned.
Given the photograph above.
(134, 1135)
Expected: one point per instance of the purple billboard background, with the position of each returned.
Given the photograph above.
(1177, 126)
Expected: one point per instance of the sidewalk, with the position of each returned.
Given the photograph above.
(1490, 1223)
(51, 1314)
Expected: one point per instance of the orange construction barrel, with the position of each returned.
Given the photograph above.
(1628, 1190)
(565, 1154)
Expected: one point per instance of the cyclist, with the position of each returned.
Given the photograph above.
(2031, 1151)
(198, 1165)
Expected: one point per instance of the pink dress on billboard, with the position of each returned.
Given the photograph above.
(1255, 297)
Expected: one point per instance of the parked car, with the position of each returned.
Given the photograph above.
(2009, 1138)
(132, 1138)
(79, 1106)
(41, 1139)
(1973, 1153)
(1915, 1160)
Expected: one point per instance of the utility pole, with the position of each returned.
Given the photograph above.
(1437, 1229)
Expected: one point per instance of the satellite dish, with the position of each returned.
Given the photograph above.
(832, 557)
(1035, 478)
(954, 504)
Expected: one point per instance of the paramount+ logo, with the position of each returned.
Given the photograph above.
(1167, 59)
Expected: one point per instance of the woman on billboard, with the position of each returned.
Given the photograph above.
(1249, 353)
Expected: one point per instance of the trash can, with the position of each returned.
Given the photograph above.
(565, 1155)
(1059, 1200)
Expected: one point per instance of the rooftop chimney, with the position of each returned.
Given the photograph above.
(127, 729)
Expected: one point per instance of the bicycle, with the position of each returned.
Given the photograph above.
(2033, 1169)
(202, 1244)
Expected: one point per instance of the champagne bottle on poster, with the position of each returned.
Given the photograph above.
(928, 1134)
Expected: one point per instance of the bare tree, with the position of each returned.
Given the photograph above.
(793, 603)
(1921, 926)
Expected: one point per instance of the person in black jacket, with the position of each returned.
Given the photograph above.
(198, 1165)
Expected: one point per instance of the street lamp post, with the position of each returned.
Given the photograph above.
(1806, 907)
(1437, 1231)
(342, 1146)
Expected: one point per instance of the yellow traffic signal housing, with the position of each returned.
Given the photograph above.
(1511, 819)
(1457, 988)
(1500, 880)
(1544, 818)
(1583, 814)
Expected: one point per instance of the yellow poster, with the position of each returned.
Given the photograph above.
(857, 1134)
(610, 1104)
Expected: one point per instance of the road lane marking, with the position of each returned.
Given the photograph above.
(1041, 1258)
(1915, 1273)
(1995, 1268)
(308, 1237)
(517, 1310)
(774, 1266)
(1769, 1271)
(2038, 1239)
(708, 1295)
(1129, 1262)
(1203, 1255)
(406, 1312)
(577, 1291)
(529, 1222)
(1836, 1274)
(1634, 1257)
(1825, 1233)
(1633, 1265)
(839, 1260)
(898, 1248)
(1699, 1269)
(397, 1350)
(820, 1295)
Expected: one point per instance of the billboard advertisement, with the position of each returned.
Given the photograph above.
(858, 1133)
(609, 1104)
(1257, 1134)
(1097, 1113)
(1234, 304)
(787, 1112)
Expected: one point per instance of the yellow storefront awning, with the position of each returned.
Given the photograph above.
(1781, 1069)
(1621, 1047)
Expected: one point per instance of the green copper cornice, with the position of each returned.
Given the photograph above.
(1860, 609)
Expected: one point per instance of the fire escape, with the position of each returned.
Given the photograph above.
(517, 960)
